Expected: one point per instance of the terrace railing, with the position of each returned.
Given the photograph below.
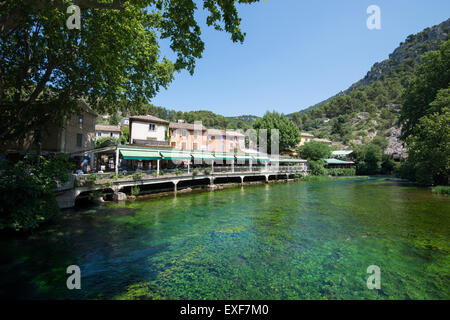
(82, 179)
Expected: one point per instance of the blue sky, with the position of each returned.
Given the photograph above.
(296, 53)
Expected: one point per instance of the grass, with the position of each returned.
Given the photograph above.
(441, 190)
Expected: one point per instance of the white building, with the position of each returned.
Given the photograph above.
(102, 131)
(125, 122)
(148, 130)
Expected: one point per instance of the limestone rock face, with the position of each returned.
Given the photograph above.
(119, 196)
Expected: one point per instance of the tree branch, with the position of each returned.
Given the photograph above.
(41, 84)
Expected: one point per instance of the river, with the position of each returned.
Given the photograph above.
(298, 240)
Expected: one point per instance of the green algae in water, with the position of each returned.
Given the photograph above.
(281, 241)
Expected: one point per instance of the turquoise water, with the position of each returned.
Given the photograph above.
(298, 240)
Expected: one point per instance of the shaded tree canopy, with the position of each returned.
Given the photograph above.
(114, 56)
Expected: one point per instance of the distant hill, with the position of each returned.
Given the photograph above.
(369, 107)
(405, 56)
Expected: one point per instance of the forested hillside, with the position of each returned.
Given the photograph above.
(208, 118)
(369, 108)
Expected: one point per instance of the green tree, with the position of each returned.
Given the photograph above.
(380, 141)
(314, 150)
(125, 138)
(289, 134)
(429, 148)
(431, 75)
(114, 56)
(114, 119)
(369, 159)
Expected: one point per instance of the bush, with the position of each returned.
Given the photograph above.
(138, 175)
(135, 191)
(179, 172)
(195, 172)
(27, 191)
(106, 141)
(317, 167)
(338, 172)
(207, 171)
(441, 190)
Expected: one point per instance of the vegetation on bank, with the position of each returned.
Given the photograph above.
(426, 119)
(27, 196)
(441, 190)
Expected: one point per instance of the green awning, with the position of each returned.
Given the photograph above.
(337, 161)
(176, 155)
(224, 156)
(262, 158)
(140, 154)
(205, 156)
(244, 157)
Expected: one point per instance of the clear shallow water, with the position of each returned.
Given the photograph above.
(283, 241)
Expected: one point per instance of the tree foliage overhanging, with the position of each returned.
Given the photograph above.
(45, 67)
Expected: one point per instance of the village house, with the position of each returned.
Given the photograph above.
(124, 122)
(149, 131)
(75, 136)
(224, 140)
(305, 137)
(102, 131)
(187, 136)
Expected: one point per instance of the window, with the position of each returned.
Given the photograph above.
(151, 127)
(99, 134)
(184, 132)
(79, 140)
(80, 119)
(111, 134)
(223, 138)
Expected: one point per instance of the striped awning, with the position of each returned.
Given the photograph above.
(224, 156)
(205, 156)
(140, 154)
(176, 155)
(262, 158)
(244, 157)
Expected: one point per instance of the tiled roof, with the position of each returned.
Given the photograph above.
(187, 126)
(229, 133)
(322, 140)
(306, 134)
(99, 127)
(149, 118)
